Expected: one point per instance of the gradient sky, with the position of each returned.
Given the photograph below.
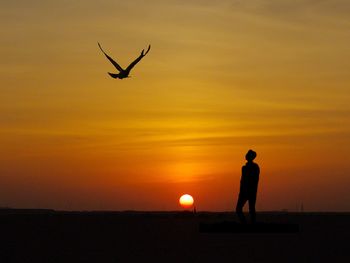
(221, 78)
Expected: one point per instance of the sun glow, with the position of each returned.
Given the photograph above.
(186, 201)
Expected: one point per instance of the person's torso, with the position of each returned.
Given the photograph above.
(250, 176)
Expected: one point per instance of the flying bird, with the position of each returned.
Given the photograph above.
(124, 73)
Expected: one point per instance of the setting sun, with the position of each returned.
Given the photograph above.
(186, 201)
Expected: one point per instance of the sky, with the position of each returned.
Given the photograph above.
(221, 78)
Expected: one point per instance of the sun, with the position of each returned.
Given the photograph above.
(186, 201)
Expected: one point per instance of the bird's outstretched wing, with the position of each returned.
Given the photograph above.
(138, 59)
(110, 59)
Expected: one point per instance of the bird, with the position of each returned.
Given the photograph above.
(124, 73)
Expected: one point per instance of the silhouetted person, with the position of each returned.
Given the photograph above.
(249, 187)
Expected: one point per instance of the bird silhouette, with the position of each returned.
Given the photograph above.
(124, 73)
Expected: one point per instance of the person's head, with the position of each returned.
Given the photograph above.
(250, 156)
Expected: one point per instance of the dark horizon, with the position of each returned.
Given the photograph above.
(175, 237)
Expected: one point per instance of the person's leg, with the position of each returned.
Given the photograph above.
(239, 208)
(252, 201)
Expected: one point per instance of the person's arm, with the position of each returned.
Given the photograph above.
(243, 176)
(257, 173)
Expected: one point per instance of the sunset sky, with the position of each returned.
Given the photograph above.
(222, 77)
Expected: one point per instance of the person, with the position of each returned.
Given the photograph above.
(248, 188)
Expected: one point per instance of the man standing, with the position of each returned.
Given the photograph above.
(249, 187)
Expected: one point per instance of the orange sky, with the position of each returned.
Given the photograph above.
(221, 78)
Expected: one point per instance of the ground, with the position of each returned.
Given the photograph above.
(49, 236)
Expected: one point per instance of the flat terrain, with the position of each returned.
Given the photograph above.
(49, 236)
